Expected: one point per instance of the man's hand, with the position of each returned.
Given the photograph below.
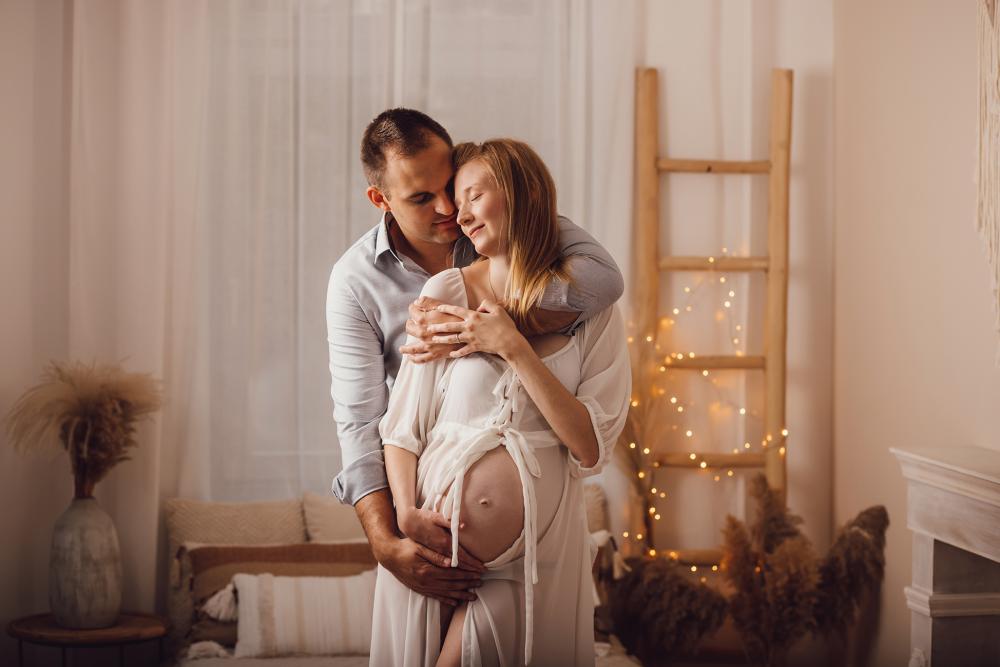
(487, 329)
(422, 314)
(420, 568)
(427, 572)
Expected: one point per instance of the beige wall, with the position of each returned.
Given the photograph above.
(915, 340)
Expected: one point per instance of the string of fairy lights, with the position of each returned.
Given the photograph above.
(653, 400)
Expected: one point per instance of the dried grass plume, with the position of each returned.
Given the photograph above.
(90, 410)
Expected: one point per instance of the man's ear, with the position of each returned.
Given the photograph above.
(377, 198)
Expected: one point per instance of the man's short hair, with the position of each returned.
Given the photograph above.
(402, 131)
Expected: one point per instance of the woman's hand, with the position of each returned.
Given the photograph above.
(487, 329)
(433, 530)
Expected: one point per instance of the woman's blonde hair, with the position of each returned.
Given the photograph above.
(532, 226)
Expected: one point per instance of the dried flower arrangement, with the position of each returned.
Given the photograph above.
(781, 590)
(90, 410)
(657, 612)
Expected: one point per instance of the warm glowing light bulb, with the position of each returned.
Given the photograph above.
(732, 293)
(743, 411)
(680, 408)
(631, 445)
(677, 311)
(694, 568)
(656, 516)
(653, 490)
(693, 456)
(652, 552)
(652, 510)
(782, 451)
(727, 304)
(635, 403)
(688, 433)
(641, 474)
(716, 478)
(704, 373)
(645, 450)
(638, 536)
(711, 260)
(673, 399)
(784, 432)
(730, 473)
(715, 568)
(703, 464)
(625, 534)
(690, 355)
(722, 279)
(687, 289)
(663, 494)
(649, 339)
(687, 309)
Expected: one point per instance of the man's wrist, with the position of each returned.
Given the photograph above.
(384, 547)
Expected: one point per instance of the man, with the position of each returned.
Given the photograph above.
(407, 160)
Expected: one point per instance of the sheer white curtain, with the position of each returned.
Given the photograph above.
(214, 179)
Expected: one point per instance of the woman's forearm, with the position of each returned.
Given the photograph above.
(567, 416)
(401, 470)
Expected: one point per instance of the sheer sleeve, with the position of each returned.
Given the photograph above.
(415, 400)
(605, 385)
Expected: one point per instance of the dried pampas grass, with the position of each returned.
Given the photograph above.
(659, 613)
(91, 411)
(853, 567)
(773, 569)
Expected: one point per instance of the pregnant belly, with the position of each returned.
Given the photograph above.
(492, 505)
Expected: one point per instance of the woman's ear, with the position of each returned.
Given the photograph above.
(378, 198)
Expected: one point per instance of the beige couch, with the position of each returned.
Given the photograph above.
(295, 525)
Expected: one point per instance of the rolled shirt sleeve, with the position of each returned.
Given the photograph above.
(359, 392)
(595, 281)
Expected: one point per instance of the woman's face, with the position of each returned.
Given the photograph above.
(482, 210)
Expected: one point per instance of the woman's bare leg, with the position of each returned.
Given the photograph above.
(451, 649)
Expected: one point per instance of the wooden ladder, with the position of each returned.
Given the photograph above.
(648, 265)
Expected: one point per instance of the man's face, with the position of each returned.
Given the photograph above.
(417, 190)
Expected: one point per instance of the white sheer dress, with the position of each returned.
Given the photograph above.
(535, 605)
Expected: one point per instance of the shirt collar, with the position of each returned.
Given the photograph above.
(463, 255)
(383, 243)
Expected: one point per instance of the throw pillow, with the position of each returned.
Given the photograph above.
(329, 520)
(304, 615)
(214, 566)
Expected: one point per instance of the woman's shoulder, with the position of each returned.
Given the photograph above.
(447, 287)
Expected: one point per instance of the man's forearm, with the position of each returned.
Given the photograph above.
(378, 518)
(552, 321)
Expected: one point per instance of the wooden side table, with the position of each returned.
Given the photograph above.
(132, 628)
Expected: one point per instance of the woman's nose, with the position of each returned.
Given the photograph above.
(463, 217)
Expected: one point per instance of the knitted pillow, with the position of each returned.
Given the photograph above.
(329, 520)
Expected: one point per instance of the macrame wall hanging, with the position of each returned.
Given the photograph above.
(988, 172)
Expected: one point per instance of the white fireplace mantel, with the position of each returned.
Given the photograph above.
(953, 509)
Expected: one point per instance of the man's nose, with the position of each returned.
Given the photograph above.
(445, 206)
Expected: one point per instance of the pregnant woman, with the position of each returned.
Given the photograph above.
(498, 444)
